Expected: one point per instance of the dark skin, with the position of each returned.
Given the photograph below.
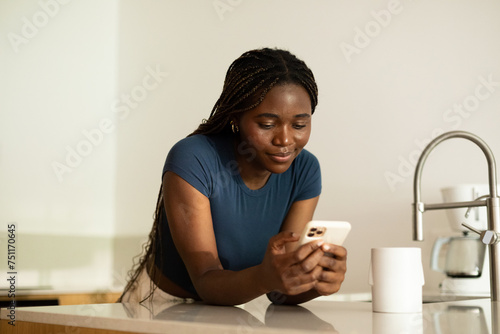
(274, 133)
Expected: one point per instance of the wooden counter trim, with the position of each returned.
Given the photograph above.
(23, 327)
(71, 298)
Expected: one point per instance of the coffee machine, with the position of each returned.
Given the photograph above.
(463, 258)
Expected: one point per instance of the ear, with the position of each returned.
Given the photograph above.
(235, 119)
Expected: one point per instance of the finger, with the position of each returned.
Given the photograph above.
(278, 241)
(338, 252)
(305, 250)
(300, 276)
(331, 277)
(300, 288)
(333, 264)
(329, 282)
(302, 282)
(327, 288)
(312, 261)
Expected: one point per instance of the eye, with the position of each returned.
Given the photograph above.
(299, 126)
(266, 126)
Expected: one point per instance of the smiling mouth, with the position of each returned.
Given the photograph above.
(281, 157)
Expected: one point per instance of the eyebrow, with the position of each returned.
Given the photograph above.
(270, 115)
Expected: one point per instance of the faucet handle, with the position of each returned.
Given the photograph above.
(487, 237)
(467, 213)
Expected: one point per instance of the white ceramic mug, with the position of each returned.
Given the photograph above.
(396, 277)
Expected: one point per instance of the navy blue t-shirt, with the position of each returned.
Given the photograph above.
(243, 219)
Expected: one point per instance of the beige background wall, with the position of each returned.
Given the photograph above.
(119, 82)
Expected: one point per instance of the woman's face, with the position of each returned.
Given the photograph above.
(274, 133)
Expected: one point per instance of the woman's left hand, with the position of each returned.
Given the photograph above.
(334, 264)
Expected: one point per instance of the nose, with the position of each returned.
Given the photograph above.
(282, 136)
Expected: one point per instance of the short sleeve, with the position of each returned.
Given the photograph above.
(192, 158)
(308, 176)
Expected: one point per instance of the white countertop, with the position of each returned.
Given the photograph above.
(38, 291)
(259, 316)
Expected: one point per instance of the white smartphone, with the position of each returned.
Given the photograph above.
(332, 232)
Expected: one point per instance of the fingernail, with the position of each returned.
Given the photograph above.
(326, 248)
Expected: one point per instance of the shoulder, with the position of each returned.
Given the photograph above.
(193, 143)
(305, 176)
(307, 155)
(306, 172)
(198, 160)
(198, 153)
(306, 161)
(199, 147)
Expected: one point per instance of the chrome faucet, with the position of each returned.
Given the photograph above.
(492, 203)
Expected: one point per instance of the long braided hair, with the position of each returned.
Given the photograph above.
(248, 80)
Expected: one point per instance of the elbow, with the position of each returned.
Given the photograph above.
(278, 298)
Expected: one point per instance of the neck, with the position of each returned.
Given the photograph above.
(253, 176)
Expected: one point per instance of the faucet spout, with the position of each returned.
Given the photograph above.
(492, 202)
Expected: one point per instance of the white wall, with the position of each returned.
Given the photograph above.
(378, 104)
(58, 79)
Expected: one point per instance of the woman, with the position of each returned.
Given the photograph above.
(236, 194)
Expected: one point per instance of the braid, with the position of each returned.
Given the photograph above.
(250, 78)
(148, 249)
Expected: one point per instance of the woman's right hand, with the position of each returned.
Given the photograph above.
(294, 272)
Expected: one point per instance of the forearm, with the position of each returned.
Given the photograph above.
(226, 287)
